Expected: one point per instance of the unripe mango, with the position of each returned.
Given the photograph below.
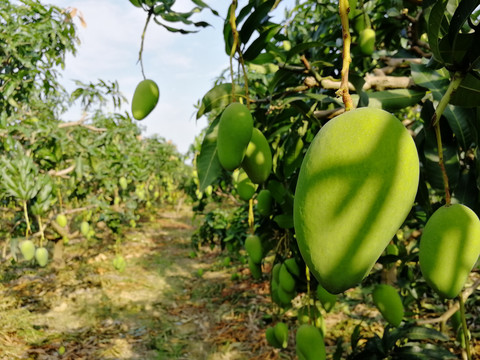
(253, 246)
(123, 183)
(388, 302)
(271, 339)
(84, 228)
(255, 269)
(286, 280)
(309, 343)
(258, 158)
(264, 202)
(61, 220)
(234, 134)
(245, 187)
(145, 98)
(27, 248)
(367, 41)
(326, 299)
(355, 188)
(41, 255)
(449, 248)
(281, 333)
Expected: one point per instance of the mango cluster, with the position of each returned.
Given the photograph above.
(241, 145)
(284, 282)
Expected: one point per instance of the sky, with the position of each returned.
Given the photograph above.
(184, 66)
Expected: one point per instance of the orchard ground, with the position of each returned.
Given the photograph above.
(169, 303)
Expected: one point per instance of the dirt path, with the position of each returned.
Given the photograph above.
(165, 305)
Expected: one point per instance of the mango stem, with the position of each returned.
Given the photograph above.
(464, 327)
(140, 54)
(343, 91)
(452, 87)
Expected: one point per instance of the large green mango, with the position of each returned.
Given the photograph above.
(145, 98)
(258, 158)
(234, 134)
(309, 343)
(355, 188)
(449, 248)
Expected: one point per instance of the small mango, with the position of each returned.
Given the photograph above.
(27, 248)
(367, 41)
(253, 246)
(264, 202)
(41, 255)
(449, 248)
(234, 134)
(258, 158)
(145, 98)
(387, 300)
(309, 343)
(61, 220)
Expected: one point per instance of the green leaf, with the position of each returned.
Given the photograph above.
(424, 333)
(416, 351)
(217, 98)
(260, 43)
(255, 20)
(208, 166)
(468, 94)
(392, 100)
(460, 122)
(434, 26)
(435, 80)
(462, 13)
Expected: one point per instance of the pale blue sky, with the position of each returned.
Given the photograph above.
(184, 66)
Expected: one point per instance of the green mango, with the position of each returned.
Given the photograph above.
(367, 41)
(27, 248)
(280, 331)
(123, 183)
(245, 187)
(41, 255)
(264, 202)
(388, 302)
(234, 134)
(84, 228)
(326, 299)
(271, 339)
(255, 269)
(145, 98)
(355, 188)
(258, 158)
(309, 343)
(253, 246)
(61, 220)
(292, 267)
(285, 297)
(449, 248)
(286, 280)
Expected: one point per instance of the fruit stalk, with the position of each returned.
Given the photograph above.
(347, 59)
(233, 25)
(27, 220)
(140, 58)
(452, 87)
(461, 301)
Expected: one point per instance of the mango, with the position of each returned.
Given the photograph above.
(387, 300)
(271, 339)
(41, 255)
(234, 134)
(84, 228)
(367, 41)
(281, 333)
(292, 267)
(245, 187)
(145, 98)
(258, 158)
(264, 202)
(285, 297)
(123, 183)
(326, 299)
(449, 248)
(286, 280)
(61, 220)
(309, 343)
(255, 269)
(27, 248)
(253, 246)
(356, 186)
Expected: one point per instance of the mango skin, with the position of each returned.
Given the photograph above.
(234, 134)
(388, 302)
(27, 248)
(264, 202)
(41, 255)
(145, 98)
(449, 248)
(309, 343)
(258, 158)
(253, 246)
(355, 188)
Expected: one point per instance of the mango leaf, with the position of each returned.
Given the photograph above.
(462, 13)
(417, 351)
(435, 80)
(459, 120)
(300, 48)
(208, 165)
(468, 94)
(392, 100)
(466, 192)
(203, 5)
(424, 333)
(216, 98)
(255, 20)
(435, 20)
(260, 43)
